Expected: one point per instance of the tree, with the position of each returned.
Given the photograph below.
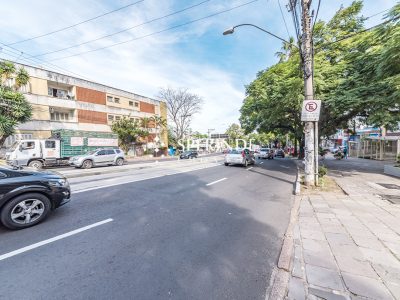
(234, 132)
(14, 108)
(286, 50)
(182, 105)
(128, 131)
(160, 124)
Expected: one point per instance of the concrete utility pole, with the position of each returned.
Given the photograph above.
(309, 149)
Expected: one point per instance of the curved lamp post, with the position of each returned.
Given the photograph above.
(232, 30)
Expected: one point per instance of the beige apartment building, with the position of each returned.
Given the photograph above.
(63, 102)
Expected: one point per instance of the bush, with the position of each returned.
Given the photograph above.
(322, 171)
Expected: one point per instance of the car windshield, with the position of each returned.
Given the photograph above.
(14, 146)
(234, 152)
(92, 152)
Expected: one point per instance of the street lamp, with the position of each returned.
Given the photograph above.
(232, 30)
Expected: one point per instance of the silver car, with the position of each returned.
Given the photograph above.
(98, 157)
(243, 157)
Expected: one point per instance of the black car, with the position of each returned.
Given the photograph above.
(280, 153)
(189, 154)
(27, 196)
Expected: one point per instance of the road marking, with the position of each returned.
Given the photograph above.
(53, 239)
(139, 179)
(249, 168)
(286, 167)
(216, 181)
(261, 163)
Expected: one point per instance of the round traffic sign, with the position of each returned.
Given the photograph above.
(311, 106)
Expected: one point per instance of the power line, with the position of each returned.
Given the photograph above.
(156, 32)
(359, 32)
(37, 61)
(77, 24)
(316, 15)
(124, 30)
(284, 21)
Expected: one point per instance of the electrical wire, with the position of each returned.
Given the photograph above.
(316, 15)
(76, 24)
(123, 30)
(13, 52)
(156, 32)
(283, 17)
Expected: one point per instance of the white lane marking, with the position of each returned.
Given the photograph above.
(53, 239)
(261, 163)
(216, 181)
(249, 168)
(139, 179)
(286, 167)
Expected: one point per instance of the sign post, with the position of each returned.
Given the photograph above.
(310, 113)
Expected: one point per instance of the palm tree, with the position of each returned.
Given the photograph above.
(286, 50)
(7, 69)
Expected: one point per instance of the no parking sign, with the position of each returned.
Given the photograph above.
(311, 110)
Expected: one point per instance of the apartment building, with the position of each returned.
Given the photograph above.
(63, 102)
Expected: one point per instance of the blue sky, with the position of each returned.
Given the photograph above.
(196, 56)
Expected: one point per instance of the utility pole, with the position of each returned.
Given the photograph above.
(309, 127)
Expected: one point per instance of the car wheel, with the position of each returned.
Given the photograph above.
(25, 211)
(87, 164)
(119, 162)
(226, 164)
(36, 164)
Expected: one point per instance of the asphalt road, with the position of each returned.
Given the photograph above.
(211, 233)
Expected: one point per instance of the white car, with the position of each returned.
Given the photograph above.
(264, 153)
(98, 157)
(243, 157)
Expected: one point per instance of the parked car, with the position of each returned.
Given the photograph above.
(263, 153)
(98, 157)
(189, 154)
(243, 157)
(280, 153)
(27, 195)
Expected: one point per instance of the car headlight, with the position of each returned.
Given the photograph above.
(58, 182)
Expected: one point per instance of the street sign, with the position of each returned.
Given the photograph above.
(311, 110)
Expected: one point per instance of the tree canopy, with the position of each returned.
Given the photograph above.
(356, 75)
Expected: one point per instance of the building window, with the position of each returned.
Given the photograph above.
(110, 99)
(59, 116)
(59, 93)
(49, 144)
(116, 100)
(130, 103)
(110, 118)
(136, 104)
(117, 118)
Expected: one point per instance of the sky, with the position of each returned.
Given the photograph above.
(163, 52)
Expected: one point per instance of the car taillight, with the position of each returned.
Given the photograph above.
(243, 155)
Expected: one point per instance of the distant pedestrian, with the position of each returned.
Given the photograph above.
(345, 152)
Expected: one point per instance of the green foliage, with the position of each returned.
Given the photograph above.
(356, 74)
(234, 132)
(128, 131)
(14, 108)
(322, 171)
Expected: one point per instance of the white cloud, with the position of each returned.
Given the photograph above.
(194, 56)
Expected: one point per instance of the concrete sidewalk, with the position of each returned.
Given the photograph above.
(347, 241)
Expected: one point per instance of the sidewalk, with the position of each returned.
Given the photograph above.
(347, 241)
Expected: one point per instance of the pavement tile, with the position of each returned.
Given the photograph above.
(394, 247)
(321, 259)
(312, 234)
(394, 288)
(324, 277)
(338, 238)
(347, 250)
(328, 295)
(298, 270)
(380, 257)
(325, 216)
(315, 245)
(387, 273)
(368, 242)
(354, 265)
(367, 287)
(333, 228)
(296, 289)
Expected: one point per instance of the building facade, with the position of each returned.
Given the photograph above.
(63, 102)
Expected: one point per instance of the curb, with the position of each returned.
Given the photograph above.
(281, 274)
